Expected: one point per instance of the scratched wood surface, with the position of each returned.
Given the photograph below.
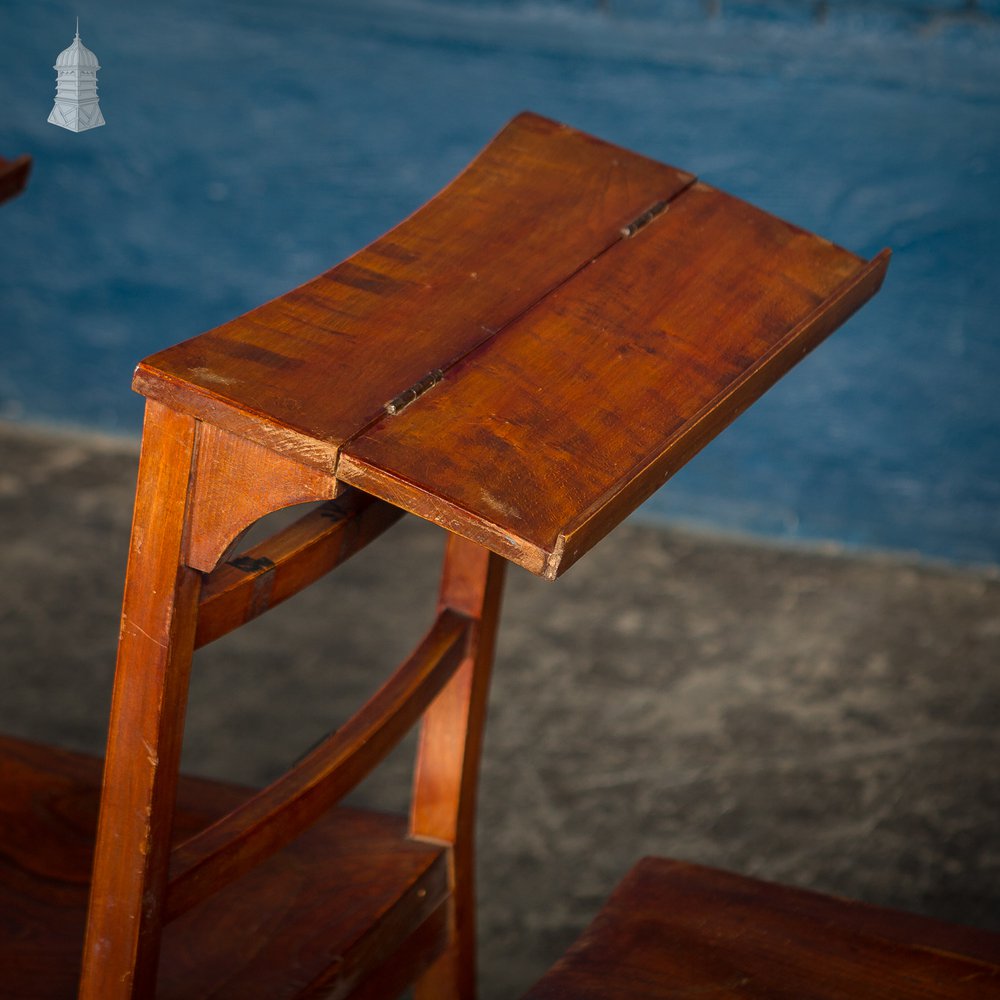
(307, 371)
(679, 930)
(534, 352)
(544, 438)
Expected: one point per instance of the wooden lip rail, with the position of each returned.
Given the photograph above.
(703, 426)
(289, 561)
(276, 815)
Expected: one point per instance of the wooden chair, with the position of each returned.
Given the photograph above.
(522, 362)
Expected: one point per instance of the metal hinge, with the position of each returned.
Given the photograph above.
(403, 400)
(645, 219)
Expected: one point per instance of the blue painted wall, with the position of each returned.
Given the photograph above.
(250, 145)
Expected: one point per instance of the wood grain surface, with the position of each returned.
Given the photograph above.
(543, 439)
(317, 912)
(534, 352)
(672, 929)
(307, 371)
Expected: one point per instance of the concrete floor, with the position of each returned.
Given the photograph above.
(822, 719)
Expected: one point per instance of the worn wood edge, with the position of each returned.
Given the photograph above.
(235, 482)
(260, 427)
(437, 509)
(279, 567)
(148, 703)
(632, 489)
(255, 426)
(273, 817)
(425, 907)
(897, 927)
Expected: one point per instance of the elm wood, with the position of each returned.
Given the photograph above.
(48, 814)
(512, 266)
(279, 567)
(198, 488)
(447, 770)
(307, 371)
(147, 718)
(235, 483)
(392, 978)
(342, 901)
(356, 870)
(13, 176)
(581, 313)
(277, 814)
(679, 930)
(544, 438)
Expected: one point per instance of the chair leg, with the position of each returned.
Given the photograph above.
(198, 488)
(447, 773)
(147, 717)
(183, 471)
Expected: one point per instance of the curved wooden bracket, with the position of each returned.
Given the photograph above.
(239, 590)
(235, 483)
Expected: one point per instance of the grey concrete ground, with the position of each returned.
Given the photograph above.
(824, 720)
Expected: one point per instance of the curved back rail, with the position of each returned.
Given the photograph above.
(275, 816)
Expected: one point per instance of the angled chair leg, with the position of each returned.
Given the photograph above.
(198, 488)
(147, 714)
(447, 774)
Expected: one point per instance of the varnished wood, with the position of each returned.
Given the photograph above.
(447, 770)
(48, 812)
(268, 821)
(316, 919)
(270, 572)
(147, 717)
(13, 176)
(304, 373)
(679, 930)
(236, 482)
(522, 362)
(355, 870)
(533, 353)
(543, 439)
(198, 488)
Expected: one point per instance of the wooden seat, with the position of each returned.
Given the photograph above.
(522, 362)
(672, 929)
(350, 870)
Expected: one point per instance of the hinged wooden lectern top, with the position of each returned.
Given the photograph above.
(535, 351)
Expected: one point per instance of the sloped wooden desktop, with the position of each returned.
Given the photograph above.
(522, 362)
